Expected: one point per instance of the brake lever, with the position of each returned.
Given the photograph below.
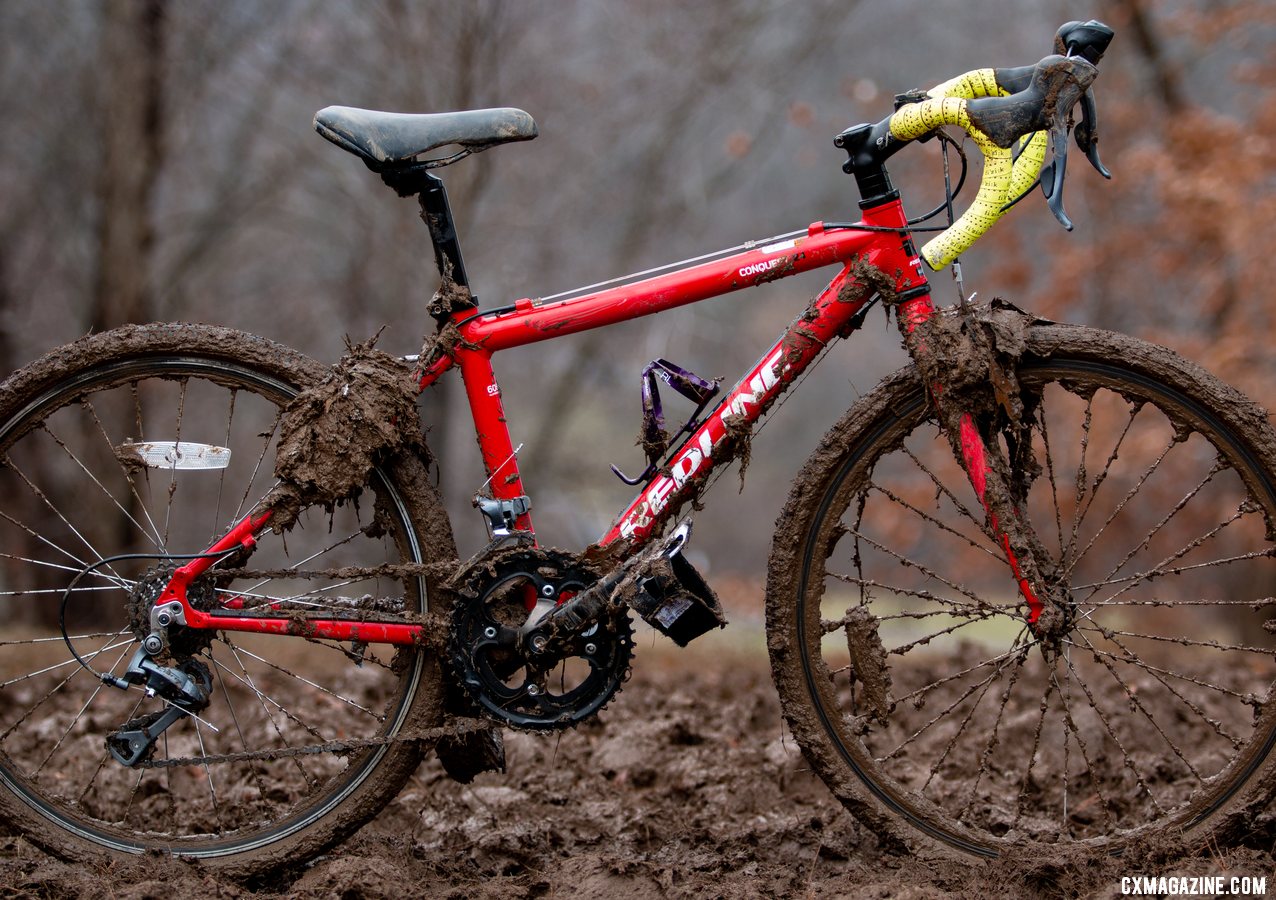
(1052, 175)
(1087, 132)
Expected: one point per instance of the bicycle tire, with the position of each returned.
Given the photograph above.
(1150, 718)
(72, 501)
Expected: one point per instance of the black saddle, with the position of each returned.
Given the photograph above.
(383, 139)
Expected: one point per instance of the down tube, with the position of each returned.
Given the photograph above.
(719, 439)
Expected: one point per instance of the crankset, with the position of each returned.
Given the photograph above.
(506, 668)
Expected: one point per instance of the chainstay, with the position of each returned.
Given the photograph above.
(457, 727)
(386, 570)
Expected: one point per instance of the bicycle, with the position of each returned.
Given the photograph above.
(998, 549)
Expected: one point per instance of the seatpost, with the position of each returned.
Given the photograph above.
(437, 215)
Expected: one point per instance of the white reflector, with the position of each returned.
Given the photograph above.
(174, 455)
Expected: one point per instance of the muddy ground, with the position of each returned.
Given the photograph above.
(688, 786)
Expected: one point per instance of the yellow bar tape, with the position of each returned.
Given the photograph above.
(1028, 165)
(1003, 180)
(979, 83)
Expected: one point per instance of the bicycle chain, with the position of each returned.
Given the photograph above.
(459, 726)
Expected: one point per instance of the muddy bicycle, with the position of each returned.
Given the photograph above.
(1020, 594)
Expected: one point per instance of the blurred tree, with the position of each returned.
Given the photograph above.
(131, 129)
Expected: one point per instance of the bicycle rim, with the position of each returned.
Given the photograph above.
(77, 496)
(918, 664)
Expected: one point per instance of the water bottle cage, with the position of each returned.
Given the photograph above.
(654, 439)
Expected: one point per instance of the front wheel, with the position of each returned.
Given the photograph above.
(900, 645)
(245, 784)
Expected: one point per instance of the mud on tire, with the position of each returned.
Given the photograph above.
(73, 498)
(899, 644)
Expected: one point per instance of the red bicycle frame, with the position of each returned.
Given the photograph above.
(880, 240)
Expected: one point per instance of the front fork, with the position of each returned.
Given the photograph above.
(1008, 525)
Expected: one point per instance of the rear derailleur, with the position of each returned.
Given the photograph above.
(184, 687)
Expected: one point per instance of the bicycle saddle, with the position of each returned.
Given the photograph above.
(385, 138)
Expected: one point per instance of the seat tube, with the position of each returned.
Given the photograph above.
(488, 412)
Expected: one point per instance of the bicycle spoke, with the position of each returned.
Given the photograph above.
(970, 714)
(177, 437)
(982, 606)
(1107, 468)
(88, 657)
(328, 549)
(6, 462)
(252, 479)
(944, 490)
(253, 766)
(1082, 479)
(221, 475)
(926, 517)
(1127, 760)
(1137, 703)
(106, 758)
(263, 700)
(902, 649)
(74, 719)
(969, 691)
(208, 773)
(914, 564)
(114, 501)
(1186, 642)
(1070, 727)
(308, 682)
(1135, 661)
(1130, 659)
(1050, 475)
(995, 733)
(1192, 545)
(1071, 563)
(1147, 539)
(1026, 781)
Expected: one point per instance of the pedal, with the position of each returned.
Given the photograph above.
(672, 596)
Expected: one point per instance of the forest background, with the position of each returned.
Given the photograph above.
(159, 164)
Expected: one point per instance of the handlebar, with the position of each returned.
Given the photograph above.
(1011, 115)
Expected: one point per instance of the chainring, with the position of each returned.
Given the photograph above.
(501, 677)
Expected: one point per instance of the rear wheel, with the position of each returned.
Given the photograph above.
(900, 646)
(253, 793)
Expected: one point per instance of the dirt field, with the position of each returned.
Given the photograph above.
(687, 787)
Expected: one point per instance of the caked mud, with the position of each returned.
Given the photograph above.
(332, 434)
